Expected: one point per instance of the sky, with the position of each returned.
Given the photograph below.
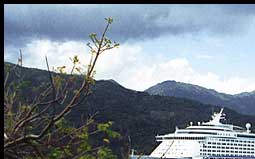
(209, 45)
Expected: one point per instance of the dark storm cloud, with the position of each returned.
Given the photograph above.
(240, 8)
(76, 22)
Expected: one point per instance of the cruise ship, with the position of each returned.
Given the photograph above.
(207, 140)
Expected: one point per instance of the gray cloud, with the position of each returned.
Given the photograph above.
(64, 22)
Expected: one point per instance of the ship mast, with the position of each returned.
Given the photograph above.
(216, 117)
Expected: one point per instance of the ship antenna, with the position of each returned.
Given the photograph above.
(221, 110)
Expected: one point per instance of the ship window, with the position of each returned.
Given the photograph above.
(246, 136)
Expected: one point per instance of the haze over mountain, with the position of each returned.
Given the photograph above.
(243, 102)
(136, 114)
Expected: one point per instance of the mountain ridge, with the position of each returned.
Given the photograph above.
(243, 102)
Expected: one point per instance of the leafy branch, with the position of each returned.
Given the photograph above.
(35, 129)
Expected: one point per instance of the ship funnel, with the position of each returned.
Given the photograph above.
(248, 126)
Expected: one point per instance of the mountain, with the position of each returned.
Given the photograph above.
(136, 114)
(243, 102)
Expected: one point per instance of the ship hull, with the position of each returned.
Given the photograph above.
(227, 157)
(148, 157)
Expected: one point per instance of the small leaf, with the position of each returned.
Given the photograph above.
(106, 140)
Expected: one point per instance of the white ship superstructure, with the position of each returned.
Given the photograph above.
(207, 140)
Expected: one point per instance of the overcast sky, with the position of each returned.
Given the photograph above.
(208, 45)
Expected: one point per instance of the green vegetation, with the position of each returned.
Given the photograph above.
(36, 125)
